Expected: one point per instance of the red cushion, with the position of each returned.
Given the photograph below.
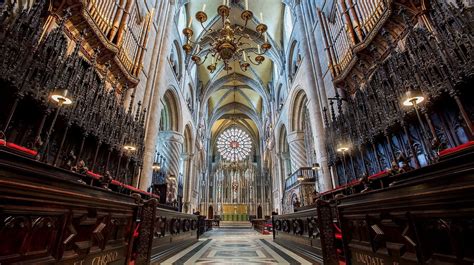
(3, 142)
(114, 182)
(94, 175)
(456, 149)
(22, 149)
(338, 236)
(378, 175)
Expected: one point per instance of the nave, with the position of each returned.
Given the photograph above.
(336, 132)
(235, 244)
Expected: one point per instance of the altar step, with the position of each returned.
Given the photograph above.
(235, 224)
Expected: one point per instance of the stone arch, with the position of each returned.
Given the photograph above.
(176, 59)
(299, 101)
(283, 145)
(294, 59)
(171, 112)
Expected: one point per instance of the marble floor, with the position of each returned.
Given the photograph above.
(235, 246)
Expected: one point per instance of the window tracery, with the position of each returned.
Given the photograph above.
(234, 144)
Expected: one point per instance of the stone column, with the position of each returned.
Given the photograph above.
(171, 147)
(153, 123)
(297, 150)
(314, 101)
(188, 176)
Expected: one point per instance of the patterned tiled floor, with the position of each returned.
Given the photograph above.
(235, 246)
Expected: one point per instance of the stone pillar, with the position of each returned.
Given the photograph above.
(171, 147)
(188, 176)
(153, 121)
(297, 150)
(314, 101)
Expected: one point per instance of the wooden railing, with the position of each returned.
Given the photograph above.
(49, 215)
(303, 232)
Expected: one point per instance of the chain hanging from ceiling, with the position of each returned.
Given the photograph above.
(229, 43)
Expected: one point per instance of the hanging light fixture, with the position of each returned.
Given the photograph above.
(228, 44)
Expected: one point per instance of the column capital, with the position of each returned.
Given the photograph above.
(171, 136)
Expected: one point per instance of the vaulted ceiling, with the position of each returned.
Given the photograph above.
(237, 96)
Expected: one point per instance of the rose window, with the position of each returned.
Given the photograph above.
(234, 144)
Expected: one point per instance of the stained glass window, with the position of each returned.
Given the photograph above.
(234, 144)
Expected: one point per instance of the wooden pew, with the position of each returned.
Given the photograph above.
(48, 215)
(425, 216)
(162, 233)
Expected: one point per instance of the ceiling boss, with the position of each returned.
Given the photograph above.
(229, 43)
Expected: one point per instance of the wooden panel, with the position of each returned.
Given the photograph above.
(425, 217)
(49, 217)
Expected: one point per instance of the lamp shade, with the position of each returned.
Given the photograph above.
(342, 148)
(413, 97)
(315, 166)
(156, 166)
(129, 147)
(61, 96)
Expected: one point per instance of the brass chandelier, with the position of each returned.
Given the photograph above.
(229, 44)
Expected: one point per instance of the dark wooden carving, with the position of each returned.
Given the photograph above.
(424, 217)
(94, 129)
(47, 216)
(299, 232)
(438, 60)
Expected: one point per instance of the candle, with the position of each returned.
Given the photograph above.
(213, 59)
(245, 56)
(204, 8)
(258, 48)
(266, 37)
(198, 47)
(261, 17)
(190, 22)
(224, 2)
(246, 4)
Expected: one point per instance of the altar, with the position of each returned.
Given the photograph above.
(234, 212)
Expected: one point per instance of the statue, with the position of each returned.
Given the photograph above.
(70, 158)
(395, 169)
(296, 203)
(106, 180)
(80, 168)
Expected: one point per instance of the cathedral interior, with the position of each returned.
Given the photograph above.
(236, 132)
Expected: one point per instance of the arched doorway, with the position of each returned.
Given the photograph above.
(259, 212)
(210, 212)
